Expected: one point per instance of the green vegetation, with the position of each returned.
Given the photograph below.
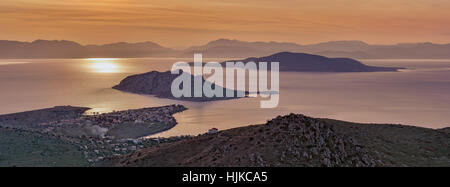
(21, 148)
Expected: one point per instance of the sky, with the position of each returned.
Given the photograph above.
(193, 22)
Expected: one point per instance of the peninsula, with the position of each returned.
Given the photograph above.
(65, 136)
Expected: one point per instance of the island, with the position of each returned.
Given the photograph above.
(159, 84)
(302, 62)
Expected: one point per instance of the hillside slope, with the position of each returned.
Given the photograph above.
(159, 84)
(297, 140)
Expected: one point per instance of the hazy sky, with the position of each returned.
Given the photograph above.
(185, 22)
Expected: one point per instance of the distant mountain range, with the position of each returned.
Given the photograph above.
(351, 49)
(69, 49)
(219, 48)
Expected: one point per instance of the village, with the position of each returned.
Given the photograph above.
(107, 120)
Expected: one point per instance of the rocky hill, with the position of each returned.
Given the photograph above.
(302, 62)
(159, 84)
(297, 140)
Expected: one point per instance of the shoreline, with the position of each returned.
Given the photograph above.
(59, 119)
(65, 130)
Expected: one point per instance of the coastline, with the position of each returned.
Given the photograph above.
(293, 140)
(64, 131)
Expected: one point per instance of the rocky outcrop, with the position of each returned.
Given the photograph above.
(293, 140)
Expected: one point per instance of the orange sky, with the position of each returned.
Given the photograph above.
(186, 22)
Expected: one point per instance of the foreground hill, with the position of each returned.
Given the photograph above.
(297, 140)
(302, 62)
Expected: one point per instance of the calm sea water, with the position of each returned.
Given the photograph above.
(417, 96)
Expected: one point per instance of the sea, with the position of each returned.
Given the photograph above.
(418, 95)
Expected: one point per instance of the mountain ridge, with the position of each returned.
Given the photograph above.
(69, 49)
(220, 48)
(225, 48)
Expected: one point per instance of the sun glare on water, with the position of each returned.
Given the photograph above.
(104, 65)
